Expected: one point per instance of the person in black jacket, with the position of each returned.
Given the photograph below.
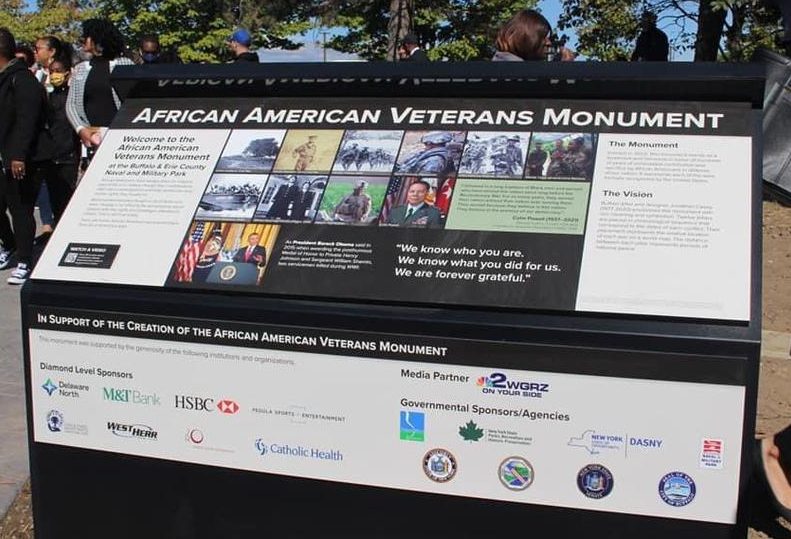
(411, 51)
(60, 173)
(22, 101)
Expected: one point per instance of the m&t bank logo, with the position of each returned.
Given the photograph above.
(498, 383)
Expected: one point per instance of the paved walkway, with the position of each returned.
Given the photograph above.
(14, 469)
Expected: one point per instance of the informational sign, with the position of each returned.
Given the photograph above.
(616, 207)
(286, 401)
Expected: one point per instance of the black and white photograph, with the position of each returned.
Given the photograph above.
(251, 150)
(368, 152)
(493, 153)
(291, 197)
(231, 197)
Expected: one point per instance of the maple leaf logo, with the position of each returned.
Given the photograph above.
(470, 432)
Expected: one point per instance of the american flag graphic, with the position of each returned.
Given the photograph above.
(391, 196)
(189, 254)
(712, 446)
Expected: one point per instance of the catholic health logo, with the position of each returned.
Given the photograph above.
(265, 448)
(677, 489)
(439, 465)
(516, 473)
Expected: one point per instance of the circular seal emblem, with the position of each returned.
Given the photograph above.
(55, 421)
(595, 481)
(195, 436)
(439, 465)
(516, 473)
(677, 489)
(228, 273)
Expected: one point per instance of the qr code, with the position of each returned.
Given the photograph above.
(71, 258)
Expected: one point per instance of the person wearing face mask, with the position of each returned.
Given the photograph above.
(60, 174)
(149, 52)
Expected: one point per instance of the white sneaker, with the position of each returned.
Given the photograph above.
(20, 274)
(5, 258)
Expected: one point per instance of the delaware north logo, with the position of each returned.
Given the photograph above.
(677, 489)
(412, 426)
(498, 383)
(595, 481)
(439, 465)
(516, 473)
(50, 387)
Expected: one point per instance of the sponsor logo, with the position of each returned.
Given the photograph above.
(300, 415)
(50, 387)
(596, 442)
(711, 453)
(130, 396)
(189, 402)
(677, 489)
(196, 439)
(126, 430)
(204, 404)
(516, 473)
(55, 421)
(227, 406)
(63, 389)
(498, 383)
(470, 432)
(439, 465)
(412, 426)
(195, 436)
(595, 481)
(265, 448)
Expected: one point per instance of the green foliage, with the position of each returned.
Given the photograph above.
(448, 29)
(470, 432)
(53, 17)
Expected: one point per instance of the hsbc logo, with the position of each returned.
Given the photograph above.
(227, 406)
(204, 404)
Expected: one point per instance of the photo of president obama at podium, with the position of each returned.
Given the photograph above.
(253, 253)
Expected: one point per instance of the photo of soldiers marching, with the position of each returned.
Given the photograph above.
(367, 152)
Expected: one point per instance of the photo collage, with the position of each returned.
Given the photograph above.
(268, 177)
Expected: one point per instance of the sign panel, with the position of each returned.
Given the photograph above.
(617, 207)
(287, 401)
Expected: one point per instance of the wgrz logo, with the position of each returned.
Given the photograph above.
(498, 383)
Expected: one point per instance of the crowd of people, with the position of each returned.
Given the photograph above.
(56, 100)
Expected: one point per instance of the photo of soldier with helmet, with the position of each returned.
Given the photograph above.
(430, 153)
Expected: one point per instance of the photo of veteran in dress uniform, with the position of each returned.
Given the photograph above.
(430, 153)
(411, 202)
(308, 150)
(494, 153)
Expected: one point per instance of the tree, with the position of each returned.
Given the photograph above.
(53, 17)
(448, 29)
(715, 29)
